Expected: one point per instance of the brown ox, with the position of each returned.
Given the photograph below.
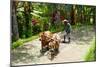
(53, 46)
(45, 38)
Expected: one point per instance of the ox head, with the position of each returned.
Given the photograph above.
(45, 36)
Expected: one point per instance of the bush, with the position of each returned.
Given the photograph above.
(91, 54)
(36, 29)
(55, 28)
(17, 44)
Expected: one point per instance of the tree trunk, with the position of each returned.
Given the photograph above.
(73, 15)
(15, 33)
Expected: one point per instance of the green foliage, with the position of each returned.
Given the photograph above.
(91, 54)
(42, 13)
(36, 29)
(28, 25)
(53, 29)
(17, 44)
(30, 38)
(21, 26)
(57, 28)
(20, 42)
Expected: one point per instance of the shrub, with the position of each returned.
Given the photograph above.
(36, 29)
(17, 44)
(91, 54)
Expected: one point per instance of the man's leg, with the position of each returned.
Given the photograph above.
(65, 38)
(68, 37)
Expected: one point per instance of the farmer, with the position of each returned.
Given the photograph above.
(67, 29)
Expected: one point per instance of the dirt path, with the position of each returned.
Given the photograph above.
(72, 52)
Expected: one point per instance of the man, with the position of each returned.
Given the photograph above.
(67, 29)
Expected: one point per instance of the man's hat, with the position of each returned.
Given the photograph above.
(65, 20)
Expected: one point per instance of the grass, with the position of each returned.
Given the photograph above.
(30, 39)
(91, 54)
(20, 42)
(55, 29)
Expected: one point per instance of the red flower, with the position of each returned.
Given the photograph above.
(34, 21)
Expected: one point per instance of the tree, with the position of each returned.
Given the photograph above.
(15, 33)
(73, 14)
(28, 20)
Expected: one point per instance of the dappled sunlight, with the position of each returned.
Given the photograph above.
(25, 54)
(84, 35)
(29, 53)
